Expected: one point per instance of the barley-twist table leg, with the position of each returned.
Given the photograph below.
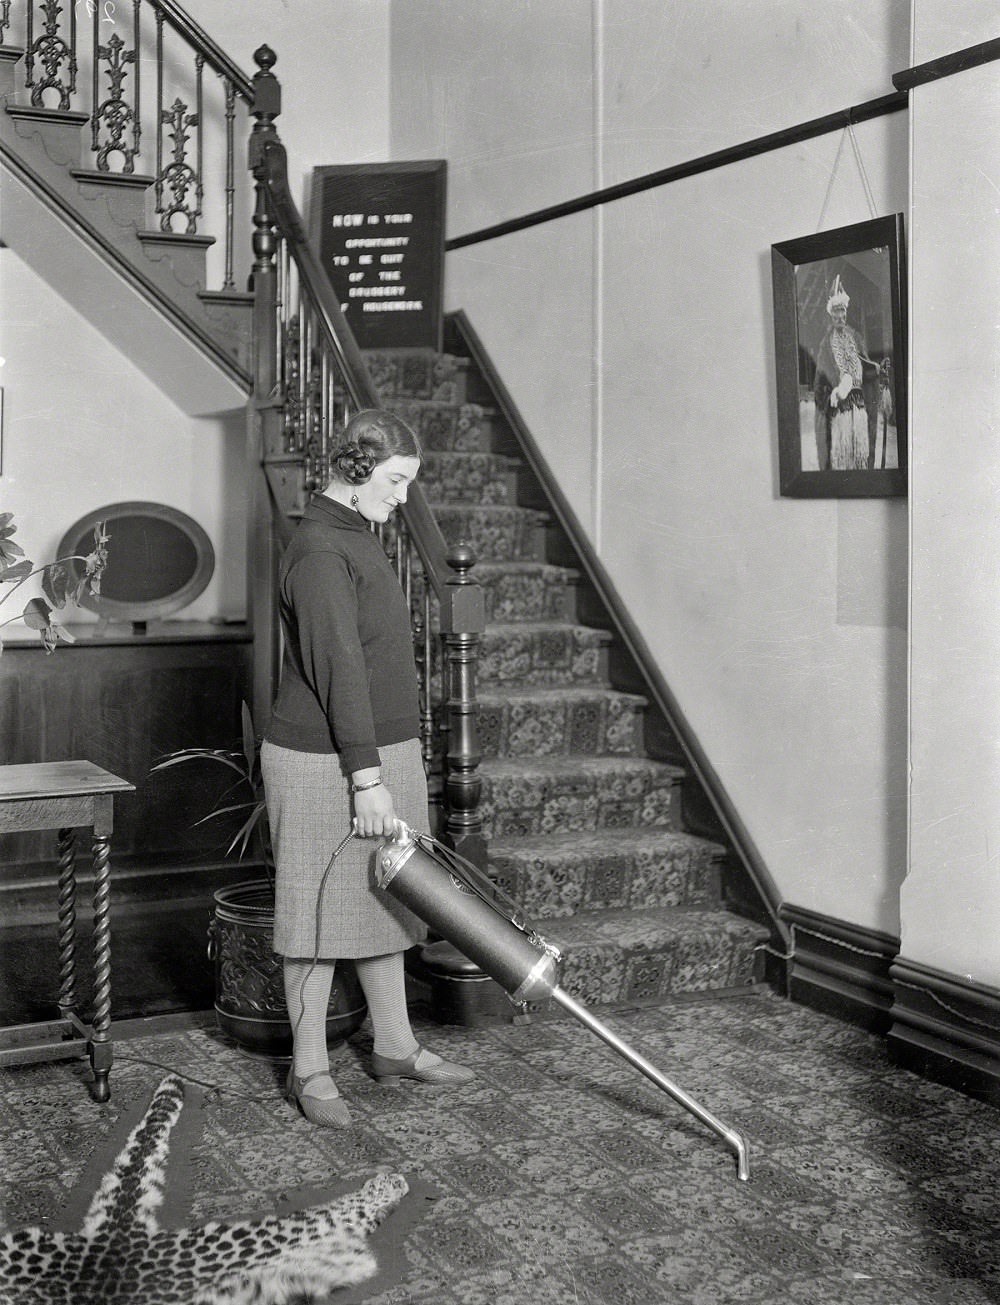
(100, 1042)
(67, 922)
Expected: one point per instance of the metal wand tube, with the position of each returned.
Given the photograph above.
(731, 1138)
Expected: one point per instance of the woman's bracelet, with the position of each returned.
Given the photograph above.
(371, 783)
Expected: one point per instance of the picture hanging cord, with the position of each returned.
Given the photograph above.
(847, 132)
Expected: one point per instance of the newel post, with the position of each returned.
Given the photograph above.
(262, 543)
(462, 623)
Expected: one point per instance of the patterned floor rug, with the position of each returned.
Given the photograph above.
(121, 1252)
(560, 1176)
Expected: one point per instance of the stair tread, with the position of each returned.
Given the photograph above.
(430, 401)
(600, 841)
(646, 927)
(506, 460)
(492, 509)
(586, 765)
(523, 629)
(527, 567)
(558, 693)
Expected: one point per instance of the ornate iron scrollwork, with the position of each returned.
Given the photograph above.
(53, 52)
(179, 177)
(114, 114)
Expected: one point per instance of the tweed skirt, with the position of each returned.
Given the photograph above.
(309, 810)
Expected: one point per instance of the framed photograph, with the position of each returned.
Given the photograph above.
(840, 357)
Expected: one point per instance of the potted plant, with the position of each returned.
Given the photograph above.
(249, 991)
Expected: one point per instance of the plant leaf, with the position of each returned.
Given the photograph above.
(201, 754)
(16, 572)
(245, 832)
(58, 577)
(249, 742)
(37, 614)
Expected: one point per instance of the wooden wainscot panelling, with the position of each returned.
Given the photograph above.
(840, 968)
(947, 1028)
(121, 701)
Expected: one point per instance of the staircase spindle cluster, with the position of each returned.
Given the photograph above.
(113, 38)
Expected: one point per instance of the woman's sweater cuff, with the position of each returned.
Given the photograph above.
(360, 759)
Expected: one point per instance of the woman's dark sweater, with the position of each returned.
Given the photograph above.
(348, 680)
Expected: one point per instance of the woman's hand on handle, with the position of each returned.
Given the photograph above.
(374, 813)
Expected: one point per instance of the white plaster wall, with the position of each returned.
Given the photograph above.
(505, 93)
(82, 427)
(951, 898)
(779, 624)
(333, 68)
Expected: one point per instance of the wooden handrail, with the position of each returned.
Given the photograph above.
(203, 44)
(945, 66)
(774, 140)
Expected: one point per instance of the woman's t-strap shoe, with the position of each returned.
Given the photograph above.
(327, 1112)
(423, 1066)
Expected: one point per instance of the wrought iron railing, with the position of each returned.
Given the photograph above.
(87, 57)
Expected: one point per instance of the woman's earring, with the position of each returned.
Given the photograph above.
(354, 500)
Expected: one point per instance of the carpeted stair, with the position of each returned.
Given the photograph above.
(584, 829)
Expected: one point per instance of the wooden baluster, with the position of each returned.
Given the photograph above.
(228, 282)
(461, 637)
(263, 547)
(158, 184)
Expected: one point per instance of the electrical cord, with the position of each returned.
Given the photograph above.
(319, 926)
(218, 1088)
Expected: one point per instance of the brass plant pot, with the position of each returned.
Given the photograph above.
(249, 992)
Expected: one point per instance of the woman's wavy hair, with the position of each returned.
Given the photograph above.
(370, 437)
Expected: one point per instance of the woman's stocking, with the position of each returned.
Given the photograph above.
(384, 985)
(307, 995)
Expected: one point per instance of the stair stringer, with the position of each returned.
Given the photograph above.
(146, 298)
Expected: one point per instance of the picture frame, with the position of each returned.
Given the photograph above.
(840, 361)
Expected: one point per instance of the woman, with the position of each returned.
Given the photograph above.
(343, 746)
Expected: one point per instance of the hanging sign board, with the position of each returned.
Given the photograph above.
(378, 229)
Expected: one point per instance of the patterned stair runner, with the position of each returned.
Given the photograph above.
(584, 829)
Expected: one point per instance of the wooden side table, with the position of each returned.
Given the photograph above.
(67, 795)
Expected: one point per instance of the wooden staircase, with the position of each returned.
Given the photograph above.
(584, 828)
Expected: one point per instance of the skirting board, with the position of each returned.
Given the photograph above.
(946, 1028)
(840, 968)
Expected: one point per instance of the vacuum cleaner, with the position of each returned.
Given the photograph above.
(466, 908)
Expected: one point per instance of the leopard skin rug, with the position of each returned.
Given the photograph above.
(121, 1255)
